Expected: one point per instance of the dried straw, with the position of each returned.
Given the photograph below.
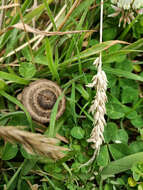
(34, 143)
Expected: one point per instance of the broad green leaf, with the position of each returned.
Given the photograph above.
(110, 132)
(125, 65)
(82, 158)
(12, 77)
(25, 154)
(103, 157)
(115, 91)
(121, 136)
(131, 114)
(118, 150)
(28, 165)
(129, 95)
(136, 146)
(109, 33)
(9, 151)
(27, 70)
(137, 122)
(124, 83)
(121, 165)
(112, 79)
(77, 132)
(114, 111)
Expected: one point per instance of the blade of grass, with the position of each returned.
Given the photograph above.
(82, 91)
(12, 77)
(72, 103)
(14, 20)
(50, 14)
(51, 183)
(15, 101)
(51, 65)
(3, 116)
(14, 176)
(75, 37)
(121, 165)
(127, 29)
(38, 11)
(96, 49)
(111, 57)
(135, 45)
(51, 130)
(122, 73)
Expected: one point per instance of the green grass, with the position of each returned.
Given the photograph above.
(68, 61)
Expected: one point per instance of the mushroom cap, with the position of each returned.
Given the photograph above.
(39, 99)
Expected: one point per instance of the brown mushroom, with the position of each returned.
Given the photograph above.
(39, 98)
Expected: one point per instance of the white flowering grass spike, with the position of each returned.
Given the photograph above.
(98, 109)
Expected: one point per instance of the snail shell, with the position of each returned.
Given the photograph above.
(39, 98)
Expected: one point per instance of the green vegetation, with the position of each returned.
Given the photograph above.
(68, 60)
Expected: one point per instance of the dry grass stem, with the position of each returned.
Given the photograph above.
(76, 3)
(44, 33)
(38, 37)
(50, 26)
(34, 7)
(9, 6)
(2, 14)
(34, 143)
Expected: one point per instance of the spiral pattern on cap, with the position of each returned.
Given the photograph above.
(40, 97)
